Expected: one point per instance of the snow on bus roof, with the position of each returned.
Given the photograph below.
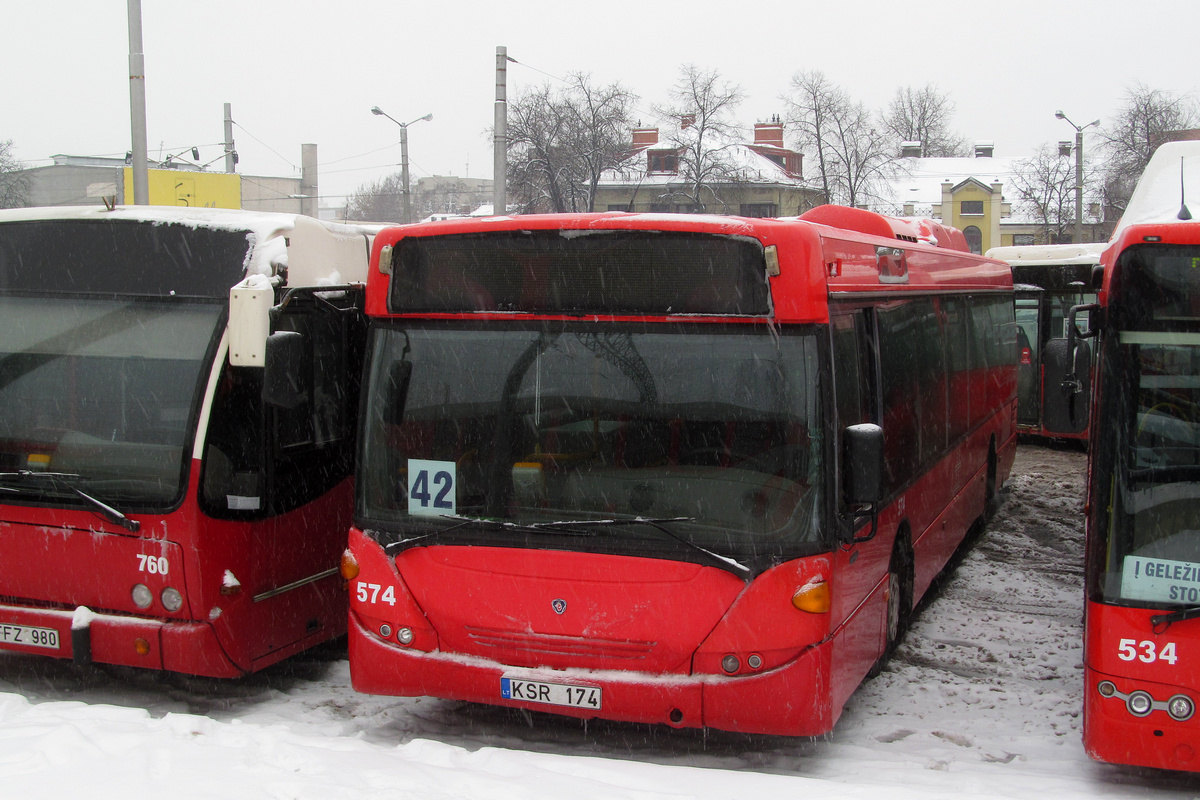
(318, 253)
(1049, 254)
(1171, 179)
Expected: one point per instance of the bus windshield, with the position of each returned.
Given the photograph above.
(1154, 524)
(102, 390)
(596, 437)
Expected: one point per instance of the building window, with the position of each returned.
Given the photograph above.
(974, 239)
(663, 161)
(1024, 239)
(758, 210)
(972, 207)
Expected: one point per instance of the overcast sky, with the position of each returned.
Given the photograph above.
(303, 71)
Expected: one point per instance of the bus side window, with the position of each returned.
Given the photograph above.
(232, 476)
(312, 443)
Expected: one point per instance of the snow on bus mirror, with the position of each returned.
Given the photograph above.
(287, 378)
(250, 321)
(863, 451)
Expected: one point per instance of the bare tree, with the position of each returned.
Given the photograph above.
(561, 141)
(1138, 128)
(1044, 188)
(702, 107)
(923, 115)
(15, 182)
(854, 156)
(379, 201)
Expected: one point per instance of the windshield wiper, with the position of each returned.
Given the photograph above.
(1165, 620)
(59, 482)
(558, 527)
(660, 525)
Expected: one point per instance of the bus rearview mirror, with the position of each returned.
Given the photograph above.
(286, 378)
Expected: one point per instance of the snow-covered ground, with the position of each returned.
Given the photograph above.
(981, 701)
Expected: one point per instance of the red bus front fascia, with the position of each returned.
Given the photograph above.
(1110, 732)
(787, 694)
(57, 560)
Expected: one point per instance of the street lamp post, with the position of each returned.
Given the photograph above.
(406, 210)
(1078, 172)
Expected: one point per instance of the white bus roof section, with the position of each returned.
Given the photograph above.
(1171, 180)
(1049, 254)
(315, 253)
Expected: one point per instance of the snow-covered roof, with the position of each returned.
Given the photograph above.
(919, 180)
(1171, 178)
(742, 163)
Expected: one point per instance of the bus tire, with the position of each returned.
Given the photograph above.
(991, 500)
(898, 614)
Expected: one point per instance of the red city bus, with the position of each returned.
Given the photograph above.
(1048, 281)
(154, 511)
(1142, 621)
(691, 470)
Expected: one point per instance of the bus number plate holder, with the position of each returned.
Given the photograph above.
(553, 694)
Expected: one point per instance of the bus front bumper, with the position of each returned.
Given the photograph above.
(793, 700)
(88, 637)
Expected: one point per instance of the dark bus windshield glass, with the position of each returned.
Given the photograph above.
(125, 257)
(103, 389)
(714, 429)
(578, 271)
(1152, 400)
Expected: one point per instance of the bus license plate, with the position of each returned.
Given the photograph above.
(554, 694)
(28, 636)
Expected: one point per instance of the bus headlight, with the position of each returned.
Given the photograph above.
(172, 600)
(405, 636)
(1139, 703)
(1181, 707)
(142, 596)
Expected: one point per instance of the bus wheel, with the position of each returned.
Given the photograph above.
(991, 500)
(899, 600)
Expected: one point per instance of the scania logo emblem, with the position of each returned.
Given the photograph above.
(559, 606)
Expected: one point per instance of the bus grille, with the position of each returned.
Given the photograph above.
(559, 645)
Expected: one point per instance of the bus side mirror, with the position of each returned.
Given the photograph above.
(286, 379)
(862, 478)
(1071, 383)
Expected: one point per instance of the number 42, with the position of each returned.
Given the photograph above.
(1128, 651)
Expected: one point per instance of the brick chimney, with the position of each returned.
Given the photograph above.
(769, 133)
(644, 137)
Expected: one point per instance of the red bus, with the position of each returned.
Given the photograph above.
(1048, 281)
(1142, 622)
(154, 511)
(690, 470)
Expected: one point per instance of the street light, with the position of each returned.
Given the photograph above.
(1078, 172)
(376, 110)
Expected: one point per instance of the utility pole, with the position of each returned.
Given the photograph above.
(1078, 172)
(230, 154)
(308, 181)
(137, 105)
(500, 140)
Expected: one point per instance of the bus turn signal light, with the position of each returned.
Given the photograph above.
(349, 566)
(812, 597)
